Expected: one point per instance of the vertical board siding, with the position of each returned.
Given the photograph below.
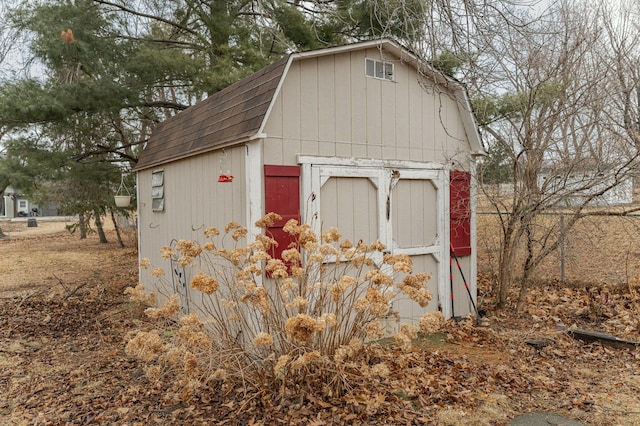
(276, 118)
(420, 122)
(327, 98)
(291, 105)
(332, 108)
(359, 150)
(410, 311)
(309, 99)
(327, 149)
(343, 99)
(390, 109)
(402, 114)
(274, 151)
(452, 137)
(197, 182)
(415, 213)
(374, 115)
(350, 204)
(290, 150)
(194, 200)
(344, 149)
(358, 98)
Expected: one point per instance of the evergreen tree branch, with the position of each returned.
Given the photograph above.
(126, 9)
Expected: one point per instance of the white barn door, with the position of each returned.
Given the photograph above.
(418, 227)
(401, 204)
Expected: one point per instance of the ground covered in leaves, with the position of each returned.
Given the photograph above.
(62, 360)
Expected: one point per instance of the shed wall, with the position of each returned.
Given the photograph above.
(194, 201)
(327, 106)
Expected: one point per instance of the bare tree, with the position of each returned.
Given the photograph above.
(560, 115)
(622, 27)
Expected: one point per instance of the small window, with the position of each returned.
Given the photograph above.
(379, 69)
(157, 191)
(157, 178)
(157, 204)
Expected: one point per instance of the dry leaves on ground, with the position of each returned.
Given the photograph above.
(62, 361)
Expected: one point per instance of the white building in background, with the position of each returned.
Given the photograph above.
(15, 204)
(575, 187)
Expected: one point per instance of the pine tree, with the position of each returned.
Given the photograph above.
(111, 70)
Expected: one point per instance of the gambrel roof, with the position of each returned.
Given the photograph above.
(238, 113)
(234, 113)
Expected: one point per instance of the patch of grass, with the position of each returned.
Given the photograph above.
(435, 340)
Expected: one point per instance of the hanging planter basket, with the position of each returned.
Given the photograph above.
(123, 200)
(123, 196)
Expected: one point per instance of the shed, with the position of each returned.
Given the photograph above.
(364, 137)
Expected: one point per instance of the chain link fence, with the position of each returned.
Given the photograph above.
(598, 249)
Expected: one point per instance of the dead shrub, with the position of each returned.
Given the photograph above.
(272, 324)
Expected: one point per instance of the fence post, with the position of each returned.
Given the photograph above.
(562, 259)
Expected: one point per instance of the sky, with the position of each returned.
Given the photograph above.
(15, 59)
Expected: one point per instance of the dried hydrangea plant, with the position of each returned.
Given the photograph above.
(304, 317)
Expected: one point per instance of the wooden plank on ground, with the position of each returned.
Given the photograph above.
(605, 339)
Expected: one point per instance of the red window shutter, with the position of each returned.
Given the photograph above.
(460, 208)
(282, 196)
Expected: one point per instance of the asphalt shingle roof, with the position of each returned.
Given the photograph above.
(234, 113)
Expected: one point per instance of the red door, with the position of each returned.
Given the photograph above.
(282, 196)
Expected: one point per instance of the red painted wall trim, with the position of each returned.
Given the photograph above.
(460, 212)
(282, 196)
(271, 170)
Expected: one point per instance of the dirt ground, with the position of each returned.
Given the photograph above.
(64, 321)
(48, 256)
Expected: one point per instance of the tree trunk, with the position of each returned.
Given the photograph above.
(100, 228)
(528, 269)
(82, 224)
(506, 262)
(117, 228)
(505, 274)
